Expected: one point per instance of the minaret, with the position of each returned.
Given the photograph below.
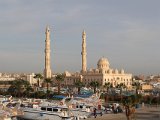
(84, 53)
(47, 70)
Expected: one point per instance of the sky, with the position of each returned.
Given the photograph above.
(125, 32)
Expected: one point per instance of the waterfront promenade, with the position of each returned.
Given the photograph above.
(145, 113)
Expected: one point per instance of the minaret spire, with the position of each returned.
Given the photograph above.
(47, 70)
(84, 53)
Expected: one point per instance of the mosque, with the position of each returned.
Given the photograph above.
(102, 74)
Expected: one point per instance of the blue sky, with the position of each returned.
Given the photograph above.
(126, 32)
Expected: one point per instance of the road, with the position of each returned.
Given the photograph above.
(145, 113)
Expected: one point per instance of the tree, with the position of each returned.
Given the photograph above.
(121, 86)
(39, 77)
(48, 81)
(59, 79)
(79, 84)
(28, 90)
(18, 87)
(129, 103)
(107, 85)
(40, 94)
(94, 84)
(137, 86)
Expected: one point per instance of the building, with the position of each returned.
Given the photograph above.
(102, 74)
(146, 87)
(5, 80)
(47, 69)
(30, 78)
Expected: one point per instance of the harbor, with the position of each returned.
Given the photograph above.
(76, 60)
(74, 108)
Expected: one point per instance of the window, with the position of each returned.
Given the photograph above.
(55, 110)
(43, 108)
(81, 106)
(49, 109)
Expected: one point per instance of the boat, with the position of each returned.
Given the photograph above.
(9, 110)
(84, 107)
(47, 113)
(4, 115)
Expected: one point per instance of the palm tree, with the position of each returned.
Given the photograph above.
(121, 86)
(94, 84)
(137, 86)
(18, 87)
(59, 78)
(48, 81)
(28, 90)
(79, 84)
(39, 77)
(107, 85)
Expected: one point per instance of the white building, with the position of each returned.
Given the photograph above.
(31, 79)
(102, 74)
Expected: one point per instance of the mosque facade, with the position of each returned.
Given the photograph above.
(102, 74)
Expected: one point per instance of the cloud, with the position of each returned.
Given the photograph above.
(120, 30)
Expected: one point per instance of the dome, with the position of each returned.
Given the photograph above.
(103, 63)
(66, 73)
(116, 71)
(122, 71)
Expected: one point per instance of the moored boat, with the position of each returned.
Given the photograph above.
(47, 112)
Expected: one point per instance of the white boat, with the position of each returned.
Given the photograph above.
(47, 113)
(8, 111)
(4, 115)
(84, 107)
(80, 110)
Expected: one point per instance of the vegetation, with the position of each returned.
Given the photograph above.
(39, 77)
(107, 86)
(151, 99)
(137, 85)
(94, 84)
(121, 86)
(39, 94)
(48, 81)
(20, 88)
(28, 90)
(59, 79)
(79, 84)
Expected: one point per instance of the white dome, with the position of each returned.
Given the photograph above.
(66, 73)
(122, 71)
(116, 71)
(103, 63)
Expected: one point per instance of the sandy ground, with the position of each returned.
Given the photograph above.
(145, 113)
